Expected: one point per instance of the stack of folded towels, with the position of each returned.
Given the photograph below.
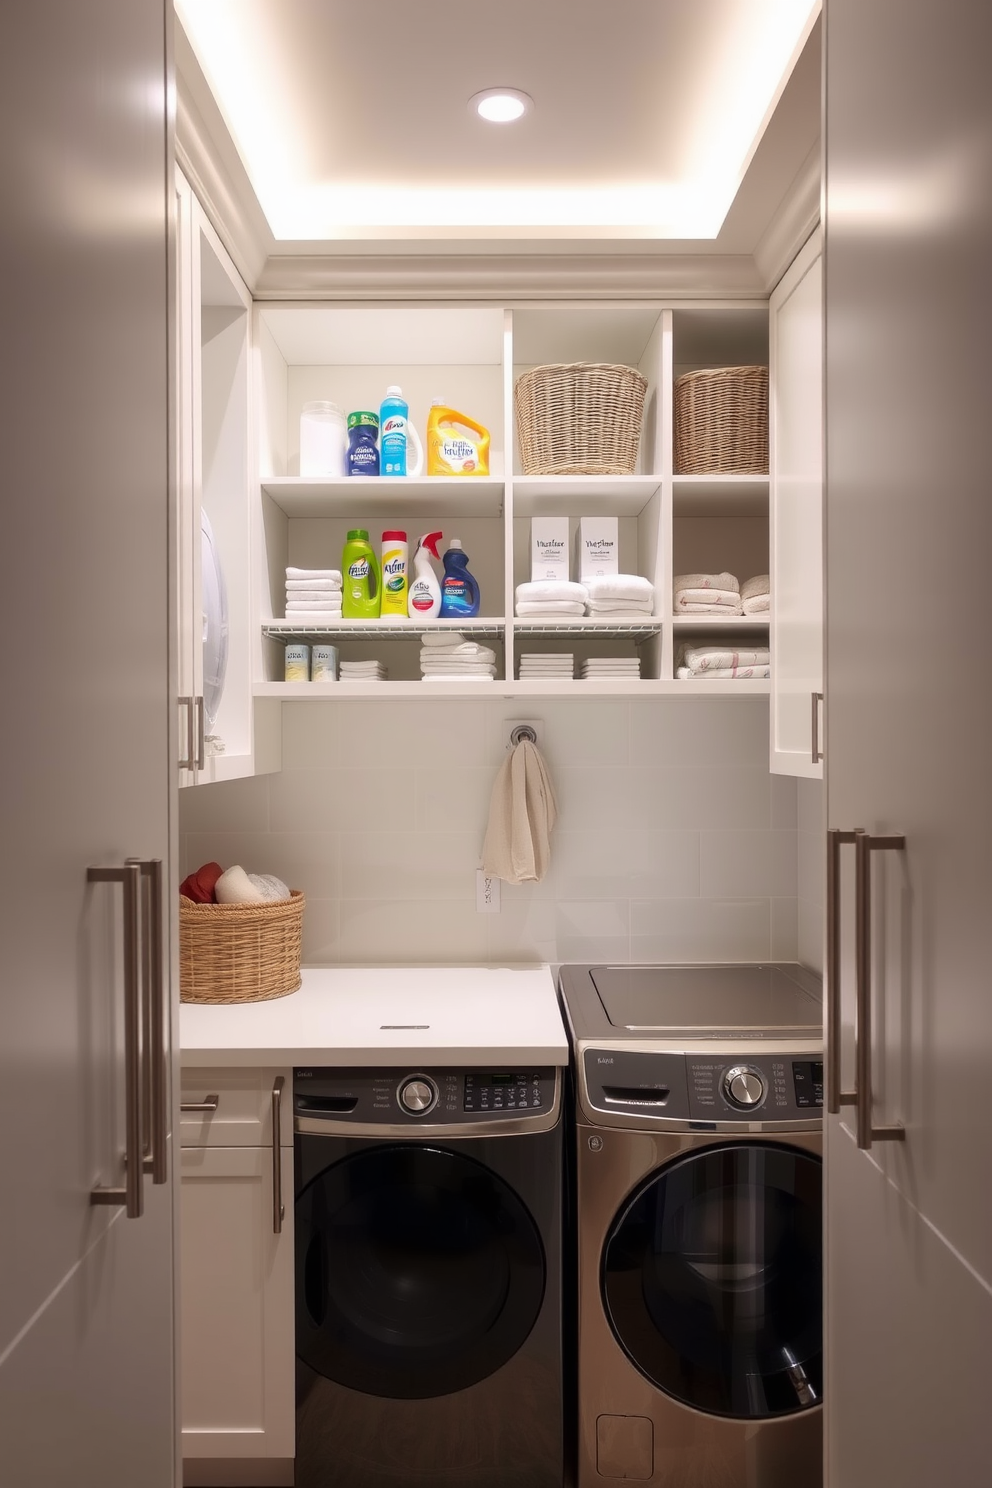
(755, 595)
(313, 595)
(546, 664)
(363, 671)
(619, 596)
(611, 666)
(550, 597)
(719, 662)
(707, 594)
(449, 657)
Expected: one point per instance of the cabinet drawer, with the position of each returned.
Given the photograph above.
(243, 1114)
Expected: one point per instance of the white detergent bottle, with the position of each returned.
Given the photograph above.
(424, 602)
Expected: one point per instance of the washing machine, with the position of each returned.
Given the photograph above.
(698, 1111)
(428, 1276)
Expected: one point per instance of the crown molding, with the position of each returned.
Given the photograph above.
(797, 217)
(509, 277)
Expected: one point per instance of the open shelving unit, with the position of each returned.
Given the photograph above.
(667, 523)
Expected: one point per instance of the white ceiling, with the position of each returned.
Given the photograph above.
(657, 123)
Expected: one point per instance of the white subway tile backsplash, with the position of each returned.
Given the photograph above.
(414, 932)
(525, 930)
(408, 865)
(710, 732)
(321, 932)
(784, 808)
(228, 806)
(700, 930)
(339, 800)
(311, 735)
(663, 864)
(303, 860)
(747, 863)
(456, 796)
(785, 929)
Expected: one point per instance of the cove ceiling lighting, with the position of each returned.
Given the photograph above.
(645, 130)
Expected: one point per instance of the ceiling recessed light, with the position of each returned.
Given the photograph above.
(501, 105)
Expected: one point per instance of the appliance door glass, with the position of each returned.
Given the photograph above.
(712, 1284)
(419, 1272)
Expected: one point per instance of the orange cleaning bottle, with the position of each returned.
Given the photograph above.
(456, 444)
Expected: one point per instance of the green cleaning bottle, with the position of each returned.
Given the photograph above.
(360, 570)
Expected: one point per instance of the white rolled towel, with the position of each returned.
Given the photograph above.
(538, 607)
(756, 604)
(760, 584)
(313, 573)
(620, 586)
(724, 581)
(443, 638)
(700, 659)
(722, 674)
(707, 602)
(235, 887)
(554, 589)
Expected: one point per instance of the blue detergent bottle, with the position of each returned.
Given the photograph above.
(459, 590)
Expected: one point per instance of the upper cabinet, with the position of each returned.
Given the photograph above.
(796, 463)
(223, 731)
(470, 358)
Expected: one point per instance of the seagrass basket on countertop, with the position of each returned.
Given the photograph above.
(579, 418)
(721, 422)
(240, 952)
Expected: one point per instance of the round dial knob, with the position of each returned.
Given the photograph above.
(743, 1087)
(417, 1095)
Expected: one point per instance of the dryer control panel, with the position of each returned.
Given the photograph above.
(432, 1097)
(702, 1089)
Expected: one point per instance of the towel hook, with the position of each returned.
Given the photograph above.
(522, 731)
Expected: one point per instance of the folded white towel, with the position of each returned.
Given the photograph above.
(545, 607)
(756, 604)
(706, 581)
(328, 602)
(313, 573)
(443, 638)
(620, 606)
(313, 617)
(707, 602)
(522, 814)
(556, 589)
(455, 669)
(760, 584)
(461, 677)
(467, 650)
(721, 674)
(323, 586)
(700, 659)
(313, 596)
(620, 586)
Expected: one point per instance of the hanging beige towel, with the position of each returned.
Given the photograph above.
(522, 813)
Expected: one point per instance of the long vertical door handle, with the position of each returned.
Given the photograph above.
(201, 741)
(278, 1207)
(132, 1194)
(864, 846)
(816, 699)
(155, 1103)
(189, 763)
(835, 1096)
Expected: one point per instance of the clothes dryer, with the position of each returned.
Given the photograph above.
(698, 1194)
(428, 1276)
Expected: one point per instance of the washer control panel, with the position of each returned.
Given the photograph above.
(448, 1097)
(703, 1088)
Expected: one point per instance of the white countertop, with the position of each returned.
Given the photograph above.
(439, 1015)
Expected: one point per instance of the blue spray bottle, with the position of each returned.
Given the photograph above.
(459, 590)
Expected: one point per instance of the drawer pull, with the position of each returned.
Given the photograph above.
(209, 1103)
(326, 1105)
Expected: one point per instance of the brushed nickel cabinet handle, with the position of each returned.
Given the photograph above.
(835, 1096)
(816, 699)
(158, 1091)
(278, 1207)
(209, 1103)
(132, 1194)
(201, 742)
(189, 763)
(864, 846)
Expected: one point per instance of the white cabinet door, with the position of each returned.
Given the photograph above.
(86, 1301)
(238, 1350)
(795, 359)
(909, 718)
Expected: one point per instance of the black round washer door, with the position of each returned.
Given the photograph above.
(419, 1272)
(712, 1280)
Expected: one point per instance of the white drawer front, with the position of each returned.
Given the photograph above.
(243, 1113)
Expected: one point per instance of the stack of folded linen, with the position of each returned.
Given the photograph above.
(719, 662)
(611, 666)
(546, 664)
(550, 597)
(313, 595)
(448, 657)
(755, 598)
(707, 594)
(614, 596)
(363, 671)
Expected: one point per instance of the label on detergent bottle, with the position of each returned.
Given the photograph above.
(359, 569)
(459, 453)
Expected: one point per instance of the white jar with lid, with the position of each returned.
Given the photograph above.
(323, 440)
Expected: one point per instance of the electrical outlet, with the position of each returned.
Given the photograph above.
(486, 893)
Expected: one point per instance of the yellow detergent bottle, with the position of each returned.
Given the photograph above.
(456, 444)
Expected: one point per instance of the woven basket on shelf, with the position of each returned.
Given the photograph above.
(579, 418)
(721, 422)
(239, 952)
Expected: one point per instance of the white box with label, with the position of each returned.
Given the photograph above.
(548, 548)
(597, 547)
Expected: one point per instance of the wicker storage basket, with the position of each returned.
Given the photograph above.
(579, 418)
(239, 952)
(721, 422)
